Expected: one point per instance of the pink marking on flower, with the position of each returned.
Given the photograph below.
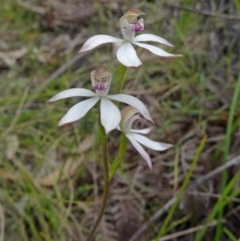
(137, 27)
(100, 86)
(138, 120)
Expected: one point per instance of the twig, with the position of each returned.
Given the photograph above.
(232, 162)
(211, 195)
(188, 231)
(205, 13)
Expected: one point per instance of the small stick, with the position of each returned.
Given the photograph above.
(205, 13)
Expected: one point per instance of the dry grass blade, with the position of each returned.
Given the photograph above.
(70, 167)
(205, 13)
(61, 174)
(188, 231)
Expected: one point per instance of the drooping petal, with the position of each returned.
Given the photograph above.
(110, 115)
(140, 149)
(126, 28)
(152, 37)
(72, 93)
(157, 146)
(157, 51)
(134, 102)
(127, 56)
(78, 111)
(143, 131)
(97, 40)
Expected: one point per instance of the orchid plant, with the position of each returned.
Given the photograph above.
(109, 115)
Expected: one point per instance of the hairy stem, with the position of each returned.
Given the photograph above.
(106, 178)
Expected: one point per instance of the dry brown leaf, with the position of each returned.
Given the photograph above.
(12, 145)
(70, 167)
(8, 175)
(62, 174)
(11, 57)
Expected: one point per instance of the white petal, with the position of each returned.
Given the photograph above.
(110, 115)
(134, 102)
(143, 131)
(140, 149)
(151, 37)
(97, 40)
(157, 146)
(72, 93)
(157, 51)
(126, 29)
(78, 111)
(127, 56)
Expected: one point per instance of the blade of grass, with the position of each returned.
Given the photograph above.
(230, 235)
(237, 3)
(179, 221)
(220, 204)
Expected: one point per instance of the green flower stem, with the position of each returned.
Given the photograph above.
(123, 141)
(119, 157)
(106, 177)
(121, 73)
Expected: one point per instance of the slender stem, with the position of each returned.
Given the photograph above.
(121, 73)
(119, 157)
(106, 178)
(123, 141)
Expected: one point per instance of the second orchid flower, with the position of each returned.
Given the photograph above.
(126, 54)
(110, 115)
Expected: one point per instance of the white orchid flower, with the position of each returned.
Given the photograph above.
(126, 54)
(128, 117)
(110, 114)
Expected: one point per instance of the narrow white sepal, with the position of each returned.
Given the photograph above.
(157, 146)
(78, 111)
(143, 131)
(110, 115)
(97, 40)
(75, 92)
(152, 37)
(134, 102)
(140, 149)
(127, 56)
(157, 51)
